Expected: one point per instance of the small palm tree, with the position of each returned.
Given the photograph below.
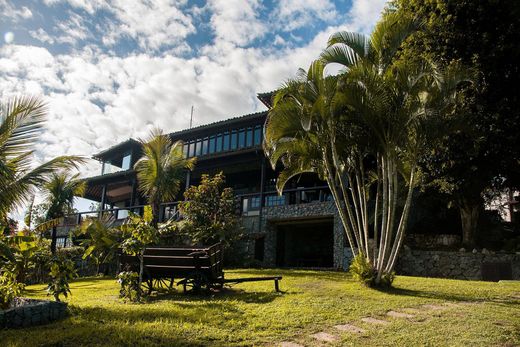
(160, 170)
(60, 191)
(21, 123)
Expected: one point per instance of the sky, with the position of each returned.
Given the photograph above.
(114, 69)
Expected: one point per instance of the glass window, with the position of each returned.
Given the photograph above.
(233, 139)
(241, 138)
(192, 149)
(255, 202)
(106, 168)
(275, 200)
(258, 135)
(226, 141)
(249, 137)
(205, 146)
(127, 160)
(198, 149)
(244, 204)
(212, 144)
(185, 150)
(219, 143)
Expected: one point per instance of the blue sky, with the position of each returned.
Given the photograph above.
(114, 69)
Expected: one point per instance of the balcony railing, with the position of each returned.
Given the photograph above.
(249, 205)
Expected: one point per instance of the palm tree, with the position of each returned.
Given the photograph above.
(60, 191)
(160, 170)
(363, 131)
(21, 123)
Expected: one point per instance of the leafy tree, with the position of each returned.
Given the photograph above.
(363, 131)
(100, 238)
(160, 170)
(482, 35)
(138, 233)
(209, 212)
(21, 123)
(62, 271)
(60, 191)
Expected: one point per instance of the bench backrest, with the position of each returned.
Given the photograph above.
(177, 262)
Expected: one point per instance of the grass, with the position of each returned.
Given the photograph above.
(253, 314)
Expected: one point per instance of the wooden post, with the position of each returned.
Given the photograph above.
(188, 178)
(103, 201)
(262, 188)
(134, 193)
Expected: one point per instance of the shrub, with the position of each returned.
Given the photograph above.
(9, 288)
(129, 281)
(362, 271)
(62, 270)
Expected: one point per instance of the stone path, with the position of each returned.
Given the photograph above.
(325, 337)
(350, 328)
(328, 337)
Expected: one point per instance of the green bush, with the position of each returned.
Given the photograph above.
(9, 288)
(62, 270)
(129, 282)
(362, 271)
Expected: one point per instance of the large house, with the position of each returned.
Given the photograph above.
(299, 228)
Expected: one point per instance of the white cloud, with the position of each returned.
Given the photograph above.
(152, 24)
(236, 21)
(294, 14)
(365, 13)
(41, 35)
(8, 10)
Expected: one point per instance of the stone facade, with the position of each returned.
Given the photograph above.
(313, 210)
(450, 264)
(29, 312)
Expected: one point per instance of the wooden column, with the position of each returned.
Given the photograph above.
(134, 193)
(103, 200)
(262, 189)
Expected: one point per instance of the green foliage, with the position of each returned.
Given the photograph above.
(21, 123)
(129, 282)
(160, 170)
(62, 271)
(363, 271)
(10, 288)
(138, 232)
(60, 191)
(209, 212)
(100, 239)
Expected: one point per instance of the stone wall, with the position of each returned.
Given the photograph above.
(29, 312)
(432, 241)
(457, 265)
(272, 215)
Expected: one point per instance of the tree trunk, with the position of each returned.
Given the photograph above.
(141, 268)
(53, 240)
(469, 213)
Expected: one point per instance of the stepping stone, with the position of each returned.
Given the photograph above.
(350, 328)
(395, 314)
(433, 307)
(323, 336)
(375, 321)
(290, 344)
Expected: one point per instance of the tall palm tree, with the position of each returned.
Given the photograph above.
(363, 132)
(21, 123)
(60, 191)
(161, 169)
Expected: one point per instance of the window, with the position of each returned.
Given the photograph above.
(258, 135)
(275, 200)
(192, 149)
(226, 141)
(241, 138)
(255, 202)
(219, 143)
(205, 146)
(244, 204)
(212, 144)
(198, 149)
(106, 168)
(185, 150)
(249, 137)
(233, 139)
(127, 160)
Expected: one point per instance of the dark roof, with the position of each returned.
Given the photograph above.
(266, 98)
(120, 145)
(224, 122)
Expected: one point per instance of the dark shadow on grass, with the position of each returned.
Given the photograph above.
(224, 295)
(428, 294)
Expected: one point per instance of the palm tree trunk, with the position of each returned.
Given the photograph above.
(53, 240)
(141, 270)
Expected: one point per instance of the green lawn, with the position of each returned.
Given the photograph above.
(313, 301)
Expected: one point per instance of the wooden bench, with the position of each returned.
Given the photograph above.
(194, 267)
